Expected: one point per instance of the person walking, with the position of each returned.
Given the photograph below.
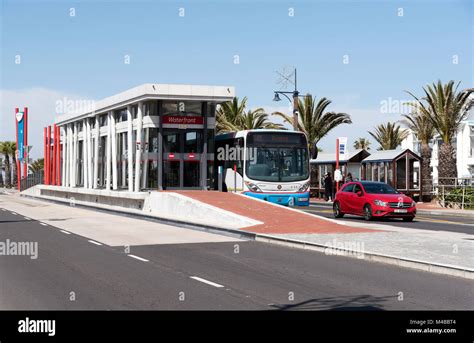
(348, 178)
(328, 187)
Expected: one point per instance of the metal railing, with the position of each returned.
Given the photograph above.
(31, 180)
(457, 193)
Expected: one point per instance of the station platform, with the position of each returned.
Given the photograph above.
(276, 219)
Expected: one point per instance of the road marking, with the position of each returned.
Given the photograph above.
(44, 224)
(139, 258)
(27, 218)
(206, 281)
(3, 209)
(94, 242)
(67, 233)
(14, 213)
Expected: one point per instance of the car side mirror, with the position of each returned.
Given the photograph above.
(359, 193)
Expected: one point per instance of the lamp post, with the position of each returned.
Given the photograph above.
(295, 94)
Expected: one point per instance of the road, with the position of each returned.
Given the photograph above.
(422, 221)
(75, 272)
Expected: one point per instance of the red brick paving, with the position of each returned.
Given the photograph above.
(276, 219)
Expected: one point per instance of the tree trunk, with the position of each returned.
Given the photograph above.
(427, 181)
(447, 171)
(15, 172)
(8, 172)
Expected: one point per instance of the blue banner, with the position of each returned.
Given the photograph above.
(21, 135)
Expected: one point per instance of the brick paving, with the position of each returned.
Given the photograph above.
(276, 219)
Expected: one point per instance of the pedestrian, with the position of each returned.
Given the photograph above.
(328, 187)
(348, 178)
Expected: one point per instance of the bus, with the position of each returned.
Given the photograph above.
(272, 165)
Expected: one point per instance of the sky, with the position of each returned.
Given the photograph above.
(362, 55)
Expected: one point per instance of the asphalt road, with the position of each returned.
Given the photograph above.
(71, 272)
(422, 221)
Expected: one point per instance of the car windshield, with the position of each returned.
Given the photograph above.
(379, 188)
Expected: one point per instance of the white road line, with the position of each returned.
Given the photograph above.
(14, 213)
(3, 209)
(206, 281)
(94, 242)
(67, 233)
(139, 258)
(44, 224)
(27, 218)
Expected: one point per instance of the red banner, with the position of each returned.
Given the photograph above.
(183, 120)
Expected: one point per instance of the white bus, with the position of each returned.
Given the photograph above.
(272, 165)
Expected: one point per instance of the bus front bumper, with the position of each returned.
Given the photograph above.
(290, 199)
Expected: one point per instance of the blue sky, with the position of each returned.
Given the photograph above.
(83, 56)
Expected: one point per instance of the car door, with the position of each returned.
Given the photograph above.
(344, 197)
(357, 202)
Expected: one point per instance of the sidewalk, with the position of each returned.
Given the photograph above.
(426, 208)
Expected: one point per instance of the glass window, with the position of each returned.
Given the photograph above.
(193, 141)
(153, 140)
(211, 109)
(348, 188)
(191, 174)
(120, 115)
(152, 174)
(401, 174)
(103, 120)
(170, 142)
(183, 108)
(150, 108)
(170, 174)
(357, 188)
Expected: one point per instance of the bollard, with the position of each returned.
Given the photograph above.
(219, 178)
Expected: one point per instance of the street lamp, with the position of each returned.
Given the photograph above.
(295, 94)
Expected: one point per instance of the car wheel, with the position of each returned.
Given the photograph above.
(337, 210)
(408, 219)
(367, 212)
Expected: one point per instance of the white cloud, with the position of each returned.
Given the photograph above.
(42, 105)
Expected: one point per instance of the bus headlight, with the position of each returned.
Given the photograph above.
(253, 187)
(304, 188)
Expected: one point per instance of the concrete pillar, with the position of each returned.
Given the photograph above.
(75, 165)
(138, 146)
(113, 143)
(70, 157)
(130, 147)
(89, 154)
(124, 162)
(108, 152)
(84, 153)
(145, 161)
(64, 154)
(96, 152)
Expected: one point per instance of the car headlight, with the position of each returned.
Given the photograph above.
(253, 187)
(413, 203)
(380, 203)
(304, 188)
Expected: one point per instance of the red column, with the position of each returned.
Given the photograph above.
(58, 173)
(16, 156)
(53, 173)
(25, 142)
(337, 163)
(45, 158)
(48, 155)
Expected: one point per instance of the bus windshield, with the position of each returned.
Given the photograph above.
(277, 157)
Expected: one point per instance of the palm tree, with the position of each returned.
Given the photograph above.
(229, 114)
(389, 135)
(37, 165)
(257, 119)
(8, 149)
(423, 129)
(446, 108)
(313, 119)
(362, 143)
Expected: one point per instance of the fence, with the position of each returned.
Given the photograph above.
(453, 192)
(31, 180)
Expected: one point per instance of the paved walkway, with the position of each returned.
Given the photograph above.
(276, 219)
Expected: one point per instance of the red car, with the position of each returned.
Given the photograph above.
(373, 200)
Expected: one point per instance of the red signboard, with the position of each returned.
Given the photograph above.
(183, 120)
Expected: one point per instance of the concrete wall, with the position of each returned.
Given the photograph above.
(161, 205)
